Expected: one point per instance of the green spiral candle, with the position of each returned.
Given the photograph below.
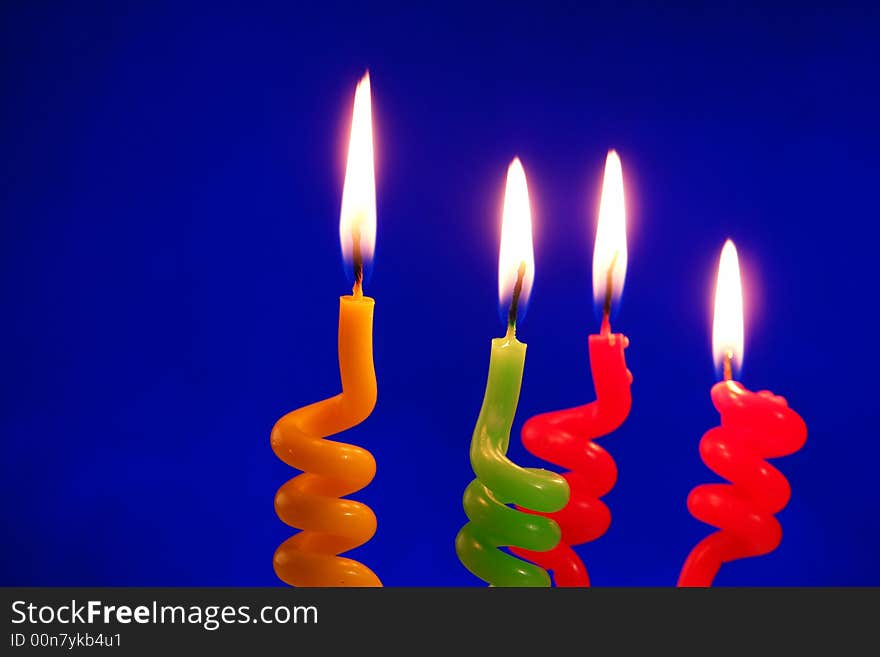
(493, 523)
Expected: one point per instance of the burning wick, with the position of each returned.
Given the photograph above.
(357, 289)
(514, 302)
(728, 369)
(609, 289)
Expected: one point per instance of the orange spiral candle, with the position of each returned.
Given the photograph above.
(313, 501)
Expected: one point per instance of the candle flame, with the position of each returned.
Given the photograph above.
(357, 219)
(727, 324)
(516, 258)
(609, 251)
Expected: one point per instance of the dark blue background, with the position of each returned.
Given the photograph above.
(170, 269)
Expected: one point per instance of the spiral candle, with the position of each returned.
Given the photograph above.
(499, 482)
(492, 523)
(312, 500)
(754, 427)
(565, 438)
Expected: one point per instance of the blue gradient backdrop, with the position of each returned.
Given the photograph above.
(170, 268)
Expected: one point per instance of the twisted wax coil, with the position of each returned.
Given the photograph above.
(565, 438)
(754, 427)
(311, 501)
(499, 482)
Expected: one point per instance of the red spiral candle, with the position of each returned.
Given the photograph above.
(565, 438)
(754, 427)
